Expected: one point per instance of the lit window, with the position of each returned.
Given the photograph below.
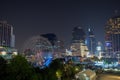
(112, 26)
(119, 25)
(118, 19)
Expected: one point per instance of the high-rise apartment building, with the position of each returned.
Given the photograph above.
(7, 37)
(112, 35)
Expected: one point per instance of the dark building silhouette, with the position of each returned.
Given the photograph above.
(78, 34)
(51, 37)
(7, 37)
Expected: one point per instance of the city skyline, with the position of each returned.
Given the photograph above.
(60, 17)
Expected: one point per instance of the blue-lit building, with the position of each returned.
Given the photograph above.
(91, 41)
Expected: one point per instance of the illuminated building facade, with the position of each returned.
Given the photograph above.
(78, 46)
(7, 37)
(112, 35)
(7, 41)
(91, 41)
(79, 49)
(8, 53)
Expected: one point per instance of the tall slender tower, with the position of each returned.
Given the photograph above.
(91, 41)
(7, 37)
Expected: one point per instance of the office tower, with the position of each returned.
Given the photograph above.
(7, 37)
(78, 46)
(78, 34)
(91, 41)
(112, 35)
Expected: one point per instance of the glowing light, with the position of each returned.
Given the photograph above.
(76, 69)
(68, 52)
(99, 48)
(48, 61)
(3, 53)
(108, 44)
(89, 29)
(86, 42)
(100, 55)
(58, 73)
(15, 53)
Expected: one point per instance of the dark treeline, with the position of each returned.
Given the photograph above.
(19, 69)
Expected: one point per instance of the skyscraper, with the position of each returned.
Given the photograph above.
(91, 41)
(7, 37)
(78, 34)
(78, 46)
(112, 34)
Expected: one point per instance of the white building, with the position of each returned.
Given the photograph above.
(79, 49)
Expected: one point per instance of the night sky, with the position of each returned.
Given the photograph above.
(34, 17)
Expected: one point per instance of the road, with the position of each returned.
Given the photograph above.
(108, 77)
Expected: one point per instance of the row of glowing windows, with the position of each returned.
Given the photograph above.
(118, 26)
(117, 20)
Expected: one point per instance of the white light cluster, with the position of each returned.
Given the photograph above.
(3, 53)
